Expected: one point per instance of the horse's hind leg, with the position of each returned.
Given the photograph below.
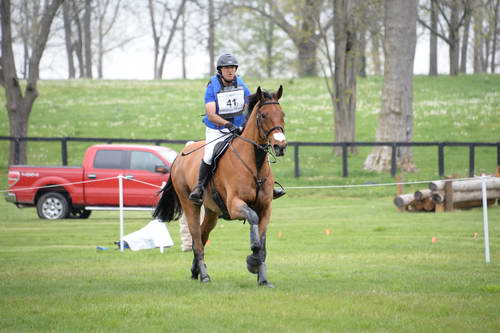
(198, 268)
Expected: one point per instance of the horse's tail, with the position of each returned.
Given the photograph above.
(169, 207)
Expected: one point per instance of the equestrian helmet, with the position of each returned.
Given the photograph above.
(225, 60)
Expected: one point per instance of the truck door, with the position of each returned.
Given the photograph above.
(108, 163)
(143, 191)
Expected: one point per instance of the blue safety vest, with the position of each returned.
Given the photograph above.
(213, 88)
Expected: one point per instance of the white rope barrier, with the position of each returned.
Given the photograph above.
(370, 185)
(58, 185)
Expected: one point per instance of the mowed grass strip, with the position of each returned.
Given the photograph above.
(338, 263)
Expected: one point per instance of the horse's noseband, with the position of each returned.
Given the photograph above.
(259, 119)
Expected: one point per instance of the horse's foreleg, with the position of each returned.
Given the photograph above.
(253, 220)
(262, 269)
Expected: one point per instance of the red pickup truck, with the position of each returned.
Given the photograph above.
(66, 191)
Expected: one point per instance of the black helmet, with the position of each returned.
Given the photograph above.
(227, 59)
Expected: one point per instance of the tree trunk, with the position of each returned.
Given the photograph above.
(78, 45)
(454, 38)
(183, 44)
(307, 49)
(478, 37)
(68, 39)
(269, 44)
(396, 116)
(433, 54)
(377, 63)
(361, 54)
(465, 41)
(344, 83)
(495, 34)
(87, 38)
(18, 106)
(211, 38)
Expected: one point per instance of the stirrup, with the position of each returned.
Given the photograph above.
(278, 193)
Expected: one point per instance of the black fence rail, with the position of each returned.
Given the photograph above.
(295, 144)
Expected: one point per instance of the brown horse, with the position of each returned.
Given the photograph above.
(243, 180)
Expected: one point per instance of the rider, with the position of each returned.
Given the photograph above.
(226, 97)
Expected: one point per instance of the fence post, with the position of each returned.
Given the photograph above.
(394, 167)
(472, 157)
(345, 168)
(441, 159)
(296, 160)
(64, 151)
(485, 220)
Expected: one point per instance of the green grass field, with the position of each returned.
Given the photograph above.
(378, 270)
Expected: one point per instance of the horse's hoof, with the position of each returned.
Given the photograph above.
(253, 264)
(205, 279)
(266, 284)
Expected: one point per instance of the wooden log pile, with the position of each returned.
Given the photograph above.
(446, 195)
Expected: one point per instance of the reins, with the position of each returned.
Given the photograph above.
(266, 149)
(206, 143)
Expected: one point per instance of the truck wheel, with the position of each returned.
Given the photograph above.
(80, 213)
(52, 206)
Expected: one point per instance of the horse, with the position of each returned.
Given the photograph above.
(241, 188)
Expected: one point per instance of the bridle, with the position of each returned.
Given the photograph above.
(259, 121)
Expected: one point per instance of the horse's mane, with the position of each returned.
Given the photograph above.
(253, 99)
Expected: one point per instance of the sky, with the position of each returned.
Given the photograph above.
(135, 62)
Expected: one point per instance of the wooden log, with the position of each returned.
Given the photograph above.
(466, 185)
(423, 194)
(472, 204)
(429, 205)
(403, 200)
(439, 197)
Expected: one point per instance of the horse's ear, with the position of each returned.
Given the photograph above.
(279, 93)
(259, 94)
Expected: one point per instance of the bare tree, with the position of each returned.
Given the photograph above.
(87, 38)
(433, 49)
(478, 13)
(454, 14)
(160, 14)
(211, 37)
(396, 116)
(299, 21)
(18, 103)
(465, 38)
(68, 38)
(494, 28)
(107, 14)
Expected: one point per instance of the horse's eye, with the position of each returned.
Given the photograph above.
(263, 116)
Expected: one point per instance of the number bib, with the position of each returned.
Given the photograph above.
(231, 103)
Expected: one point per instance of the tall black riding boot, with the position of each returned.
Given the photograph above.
(197, 194)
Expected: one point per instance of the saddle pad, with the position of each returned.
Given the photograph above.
(219, 150)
